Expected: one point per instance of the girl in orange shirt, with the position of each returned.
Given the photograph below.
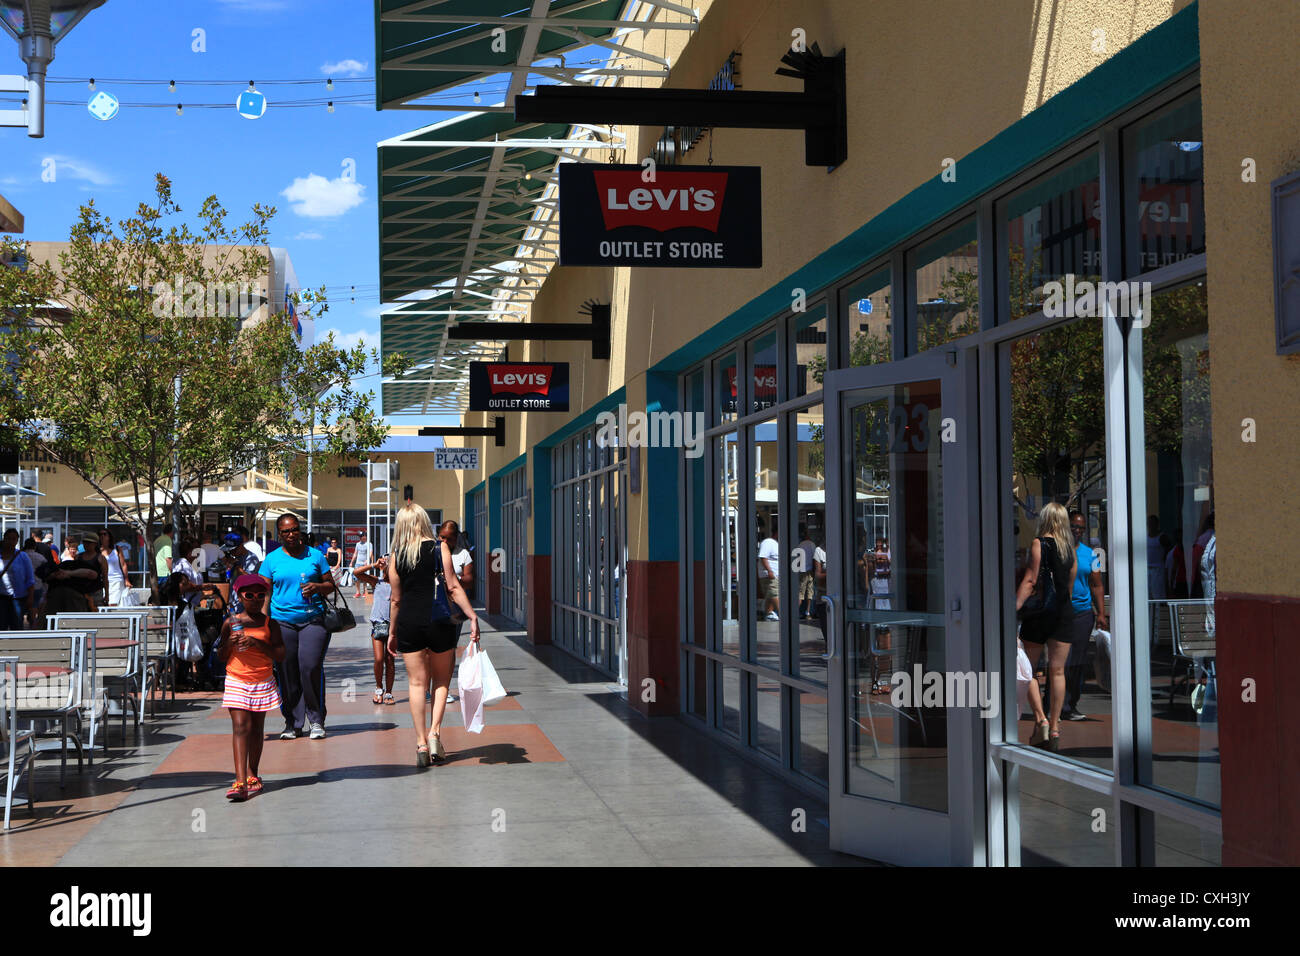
(250, 645)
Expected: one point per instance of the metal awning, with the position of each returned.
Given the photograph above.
(425, 49)
(468, 208)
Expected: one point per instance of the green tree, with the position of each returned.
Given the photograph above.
(130, 364)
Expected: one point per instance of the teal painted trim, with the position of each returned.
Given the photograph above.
(476, 489)
(585, 420)
(1152, 61)
(661, 470)
(494, 513)
(506, 469)
(541, 501)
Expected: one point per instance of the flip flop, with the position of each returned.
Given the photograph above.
(378, 698)
(388, 699)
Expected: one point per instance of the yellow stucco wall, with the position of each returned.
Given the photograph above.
(921, 89)
(1249, 109)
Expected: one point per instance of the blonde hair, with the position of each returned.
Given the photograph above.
(411, 530)
(1054, 523)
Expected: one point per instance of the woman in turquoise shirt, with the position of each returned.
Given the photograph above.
(299, 578)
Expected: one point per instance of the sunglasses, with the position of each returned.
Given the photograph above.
(285, 532)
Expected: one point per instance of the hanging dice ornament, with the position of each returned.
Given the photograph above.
(103, 106)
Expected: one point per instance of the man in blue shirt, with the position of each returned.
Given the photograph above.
(17, 580)
(1089, 606)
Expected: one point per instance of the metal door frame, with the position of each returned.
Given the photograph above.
(886, 831)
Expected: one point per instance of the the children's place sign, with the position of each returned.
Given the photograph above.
(679, 217)
(519, 386)
(455, 459)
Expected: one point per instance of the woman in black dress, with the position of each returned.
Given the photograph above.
(422, 629)
(1054, 546)
(78, 585)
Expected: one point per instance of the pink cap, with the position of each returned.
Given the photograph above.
(250, 581)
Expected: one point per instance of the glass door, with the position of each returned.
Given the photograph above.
(903, 691)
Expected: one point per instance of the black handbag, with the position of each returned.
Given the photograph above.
(1043, 601)
(337, 617)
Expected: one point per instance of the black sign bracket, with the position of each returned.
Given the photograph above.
(597, 331)
(821, 110)
(497, 431)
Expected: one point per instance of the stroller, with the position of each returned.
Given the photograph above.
(209, 614)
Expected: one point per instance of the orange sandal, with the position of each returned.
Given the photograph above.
(254, 784)
(238, 791)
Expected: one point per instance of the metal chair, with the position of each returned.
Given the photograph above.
(156, 645)
(58, 698)
(11, 738)
(1193, 643)
(115, 670)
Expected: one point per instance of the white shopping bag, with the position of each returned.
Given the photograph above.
(188, 641)
(493, 690)
(1024, 676)
(469, 684)
(1102, 659)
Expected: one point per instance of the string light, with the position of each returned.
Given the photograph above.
(330, 106)
(92, 84)
(329, 84)
(476, 96)
(179, 109)
(171, 87)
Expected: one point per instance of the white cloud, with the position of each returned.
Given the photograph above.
(69, 167)
(350, 340)
(309, 235)
(316, 197)
(346, 67)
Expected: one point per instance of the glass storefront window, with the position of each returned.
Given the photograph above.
(728, 697)
(947, 287)
(868, 313)
(807, 586)
(767, 715)
(726, 385)
(697, 577)
(1052, 229)
(1164, 186)
(1058, 454)
(769, 564)
(1063, 825)
(809, 341)
(812, 745)
(729, 565)
(763, 373)
(1181, 552)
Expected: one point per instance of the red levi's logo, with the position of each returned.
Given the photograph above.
(673, 201)
(520, 379)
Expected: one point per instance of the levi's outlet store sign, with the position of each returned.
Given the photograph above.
(518, 386)
(689, 216)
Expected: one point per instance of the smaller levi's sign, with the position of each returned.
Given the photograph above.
(455, 459)
(683, 216)
(519, 386)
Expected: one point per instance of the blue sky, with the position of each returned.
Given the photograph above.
(290, 158)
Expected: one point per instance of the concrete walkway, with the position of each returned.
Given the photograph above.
(564, 773)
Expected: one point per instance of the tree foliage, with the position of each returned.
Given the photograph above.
(131, 363)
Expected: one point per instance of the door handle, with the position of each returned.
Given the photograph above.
(829, 600)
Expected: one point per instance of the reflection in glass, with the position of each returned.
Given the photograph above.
(729, 699)
(809, 350)
(763, 388)
(1058, 453)
(895, 611)
(1180, 844)
(947, 287)
(1182, 556)
(1058, 823)
(767, 715)
(808, 580)
(727, 551)
(1164, 199)
(869, 311)
(724, 374)
(697, 544)
(1052, 229)
(697, 696)
(813, 741)
(768, 564)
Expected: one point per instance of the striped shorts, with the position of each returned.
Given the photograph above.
(255, 697)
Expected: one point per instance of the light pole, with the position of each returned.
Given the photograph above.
(37, 25)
